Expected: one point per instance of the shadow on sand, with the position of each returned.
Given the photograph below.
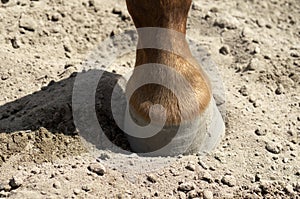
(51, 108)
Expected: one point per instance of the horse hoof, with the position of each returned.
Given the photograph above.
(200, 135)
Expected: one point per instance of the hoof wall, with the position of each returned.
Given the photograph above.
(201, 135)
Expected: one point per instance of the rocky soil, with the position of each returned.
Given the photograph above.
(256, 45)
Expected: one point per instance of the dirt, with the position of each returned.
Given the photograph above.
(44, 44)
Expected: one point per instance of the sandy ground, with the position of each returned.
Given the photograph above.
(256, 45)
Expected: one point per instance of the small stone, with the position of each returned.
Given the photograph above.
(68, 47)
(229, 180)
(214, 10)
(76, 191)
(279, 90)
(174, 172)
(260, 132)
(182, 195)
(15, 42)
(1, 187)
(86, 188)
(226, 21)
(256, 50)
(15, 182)
(225, 50)
(4, 194)
(186, 186)
(152, 178)
(27, 23)
(57, 185)
(208, 194)
(253, 65)
(55, 17)
(273, 147)
(289, 189)
(191, 166)
(297, 186)
(206, 176)
(43, 193)
(117, 11)
(4, 77)
(297, 173)
(285, 160)
(244, 91)
(202, 164)
(104, 156)
(258, 177)
(7, 188)
(247, 34)
(97, 168)
(269, 26)
(35, 170)
(261, 23)
(192, 194)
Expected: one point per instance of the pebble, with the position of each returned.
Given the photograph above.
(97, 168)
(43, 193)
(229, 180)
(57, 185)
(260, 132)
(68, 47)
(206, 177)
(269, 26)
(202, 164)
(16, 43)
(4, 77)
(152, 178)
(225, 50)
(289, 189)
(182, 195)
(256, 50)
(191, 166)
(186, 186)
(76, 191)
(85, 188)
(192, 194)
(104, 156)
(258, 177)
(297, 186)
(285, 160)
(208, 194)
(253, 65)
(226, 21)
(261, 23)
(273, 147)
(27, 23)
(117, 11)
(279, 90)
(55, 17)
(35, 170)
(247, 33)
(214, 9)
(15, 182)
(1, 187)
(4, 194)
(244, 91)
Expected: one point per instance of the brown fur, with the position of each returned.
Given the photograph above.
(171, 14)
